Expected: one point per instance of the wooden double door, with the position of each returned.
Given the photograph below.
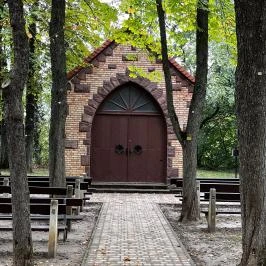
(128, 148)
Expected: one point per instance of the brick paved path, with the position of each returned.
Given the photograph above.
(133, 231)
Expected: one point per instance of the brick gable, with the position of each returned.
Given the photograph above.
(108, 69)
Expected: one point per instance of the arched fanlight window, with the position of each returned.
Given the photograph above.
(130, 98)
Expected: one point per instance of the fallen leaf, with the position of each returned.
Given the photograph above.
(127, 259)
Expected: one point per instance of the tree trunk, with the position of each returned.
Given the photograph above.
(251, 117)
(4, 148)
(58, 101)
(190, 205)
(31, 100)
(188, 139)
(22, 241)
(36, 143)
(4, 152)
(2, 57)
(167, 74)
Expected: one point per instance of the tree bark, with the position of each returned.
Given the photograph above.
(167, 73)
(36, 141)
(4, 164)
(22, 241)
(188, 139)
(58, 101)
(251, 119)
(190, 205)
(2, 59)
(32, 94)
(4, 152)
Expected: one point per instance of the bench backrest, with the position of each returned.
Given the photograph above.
(223, 196)
(46, 178)
(179, 181)
(220, 187)
(67, 201)
(39, 190)
(205, 185)
(43, 209)
(44, 182)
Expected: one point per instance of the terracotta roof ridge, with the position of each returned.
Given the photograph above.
(182, 70)
(89, 58)
(106, 44)
(98, 50)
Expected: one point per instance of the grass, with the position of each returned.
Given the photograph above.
(215, 174)
(200, 173)
(36, 172)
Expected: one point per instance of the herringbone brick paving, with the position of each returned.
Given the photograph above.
(133, 231)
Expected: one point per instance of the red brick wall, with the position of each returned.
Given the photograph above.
(91, 85)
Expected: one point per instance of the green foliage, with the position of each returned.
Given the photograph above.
(216, 142)
(140, 24)
(218, 136)
(155, 76)
(6, 41)
(41, 153)
(222, 25)
(88, 24)
(41, 143)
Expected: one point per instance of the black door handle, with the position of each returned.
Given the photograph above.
(119, 149)
(137, 149)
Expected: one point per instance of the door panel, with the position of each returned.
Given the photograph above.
(147, 165)
(108, 164)
(144, 143)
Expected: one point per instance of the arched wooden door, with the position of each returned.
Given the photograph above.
(129, 138)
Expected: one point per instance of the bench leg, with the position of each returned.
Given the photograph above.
(69, 225)
(65, 235)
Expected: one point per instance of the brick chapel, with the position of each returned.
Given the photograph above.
(117, 128)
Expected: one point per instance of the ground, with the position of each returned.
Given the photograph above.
(220, 248)
(68, 253)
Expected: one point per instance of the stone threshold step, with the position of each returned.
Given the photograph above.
(130, 185)
(130, 190)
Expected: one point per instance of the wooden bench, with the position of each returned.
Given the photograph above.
(82, 183)
(226, 190)
(52, 191)
(41, 210)
(220, 187)
(174, 181)
(58, 193)
(42, 187)
(69, 202)
(51, 210)
(223, 196)
(45, 183)
(36, 209)
(230, 185)
(206, 212)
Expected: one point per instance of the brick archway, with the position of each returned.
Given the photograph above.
(103, 91)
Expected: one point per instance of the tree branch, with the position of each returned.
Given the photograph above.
(167, 74)
(208, 118)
